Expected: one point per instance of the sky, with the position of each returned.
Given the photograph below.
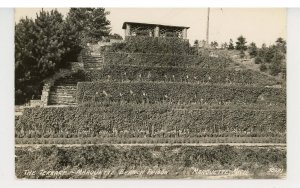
(259, 25)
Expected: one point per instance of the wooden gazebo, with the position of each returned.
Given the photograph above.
(154, 30)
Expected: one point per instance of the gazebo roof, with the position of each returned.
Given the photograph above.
(151, 24)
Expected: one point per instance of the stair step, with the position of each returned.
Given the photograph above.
(93, 68)
(61, 101)
(63, 90)
(67, 84)
(62, 97)
(71, 98)
(65, 87)
(69, 103)
(92, 57)
(93, 63)
(95, 55)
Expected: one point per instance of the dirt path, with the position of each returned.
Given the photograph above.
(164, 144)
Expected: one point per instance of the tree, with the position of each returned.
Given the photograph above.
(24, 58)
(241, 43)
(274, 55)
(47, 43)
(275, 68)
(39, 50)
(269, 54)
(276, 64)
(71, 41)
(253, 49)
(214, 44)
(196, 43)
(49, 46)
(224, 45)
(91, 24)
(281, 44)
(230, 46)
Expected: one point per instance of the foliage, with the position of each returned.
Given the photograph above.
(177, 92)
(171, 158)
(263, 67)
(258, 60)
(202, 60)
(281, 44)
(276, 65)
(157, 120)
(253, 50)
(115, 36)
(272, 58)
(90, 24)
(141, 44)
(196, 43)
(125, 73)
(224, 45)
(241, 43)
(242, 54)
(231, 46)
(39, 51)
(214, 44)
(155, 140)
(48, 43)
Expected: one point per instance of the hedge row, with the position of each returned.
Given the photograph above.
(170, 45)
(177, 140)
(177, 161)
(177, 74)
(132, 120)
(173, 60)
(152, 92)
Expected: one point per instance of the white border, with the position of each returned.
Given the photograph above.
(293, 94)
(7, 178)
(150, 3)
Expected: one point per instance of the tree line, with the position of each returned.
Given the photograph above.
(271, 59)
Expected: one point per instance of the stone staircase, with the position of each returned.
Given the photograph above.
(92, 61)
(63, 92)
(18, 112)
(63, 95)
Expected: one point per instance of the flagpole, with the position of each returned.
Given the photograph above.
(207, 28)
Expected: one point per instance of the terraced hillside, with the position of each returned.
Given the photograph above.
(152, 104)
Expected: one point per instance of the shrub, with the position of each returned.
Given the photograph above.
(113, 158)
(140, 44)
(263, 67)
(275, 68)
(157, 120)
(142, 92)
(159, 59)
(177, 74)
(258, 60)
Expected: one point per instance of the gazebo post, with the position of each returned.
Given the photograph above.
(127, 30)
(156, 31)
(184, 33)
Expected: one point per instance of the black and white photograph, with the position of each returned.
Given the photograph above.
(150, 93)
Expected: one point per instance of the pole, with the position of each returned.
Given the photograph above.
(207, 28)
